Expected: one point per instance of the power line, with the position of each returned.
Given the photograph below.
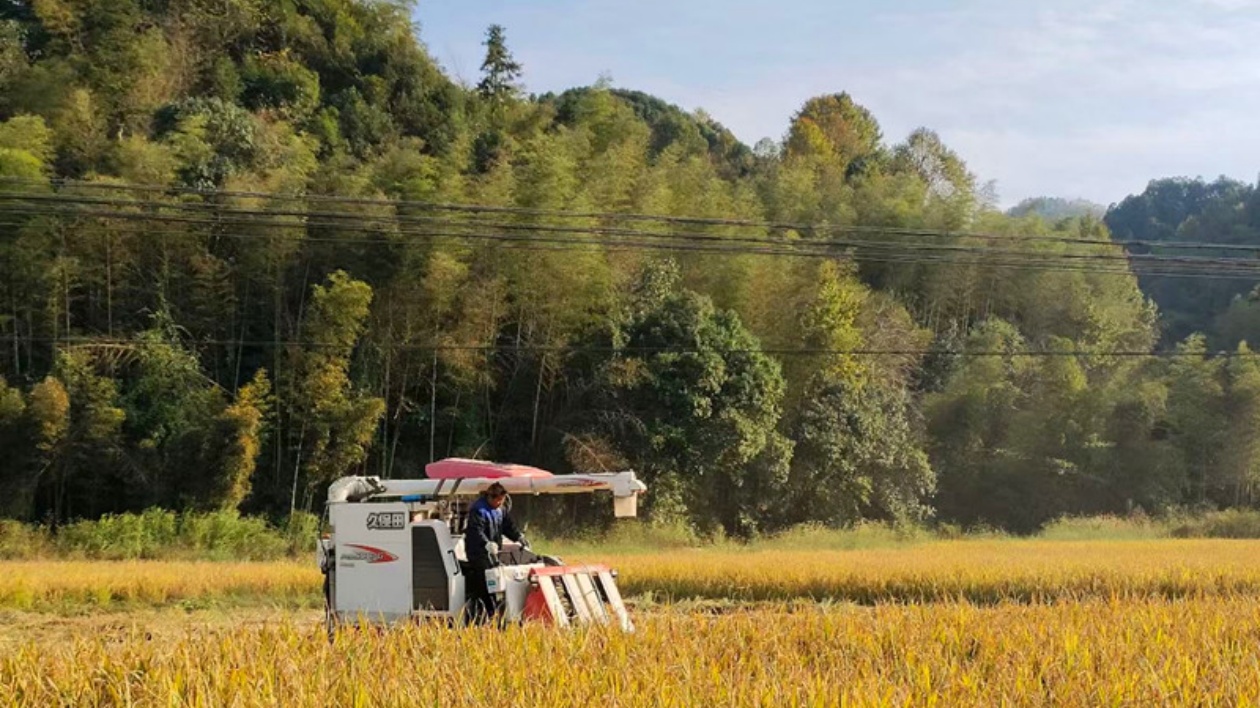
(338, 220)
(611, 216)
(1033, 262)
(544, 349)
(1239, 268)
(386, 228)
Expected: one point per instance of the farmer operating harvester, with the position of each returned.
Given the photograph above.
(445, 547)
(488, 524)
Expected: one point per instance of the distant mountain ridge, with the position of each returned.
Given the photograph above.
(1056, 208)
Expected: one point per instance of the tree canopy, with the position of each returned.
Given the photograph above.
(248, 247)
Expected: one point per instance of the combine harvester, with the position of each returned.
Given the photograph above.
(395, 549)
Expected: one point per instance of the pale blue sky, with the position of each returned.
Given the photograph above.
(1071, 98)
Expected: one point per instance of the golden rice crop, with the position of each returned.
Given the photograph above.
(970, 623)
(44, 585)
(974, 571)
(1095, 653)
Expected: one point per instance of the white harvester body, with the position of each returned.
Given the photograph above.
(395, 549)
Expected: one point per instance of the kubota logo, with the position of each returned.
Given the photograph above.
(367, 553)
(385, 520)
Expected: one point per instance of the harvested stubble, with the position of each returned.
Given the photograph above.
(1136, 652)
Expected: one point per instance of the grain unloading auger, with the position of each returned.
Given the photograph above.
(395, 549)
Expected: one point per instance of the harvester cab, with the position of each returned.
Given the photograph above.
(394, 550)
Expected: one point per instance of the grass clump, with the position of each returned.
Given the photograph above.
(158, 534)
(1231, 523)
(1104, 528)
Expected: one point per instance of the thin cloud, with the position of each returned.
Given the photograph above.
(1084, 98)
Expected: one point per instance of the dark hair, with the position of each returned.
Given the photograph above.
(494, 491)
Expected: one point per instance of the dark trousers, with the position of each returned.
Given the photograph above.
(481, 606)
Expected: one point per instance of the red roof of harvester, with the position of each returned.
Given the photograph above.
(458, 468)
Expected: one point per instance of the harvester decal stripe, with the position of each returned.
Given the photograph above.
(370, 554)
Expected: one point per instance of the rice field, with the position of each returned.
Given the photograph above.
(974, 571)
(76, 586)
(1095, 653)
(1124, 623)
(980, 572)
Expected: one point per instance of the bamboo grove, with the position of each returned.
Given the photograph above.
(247, 247)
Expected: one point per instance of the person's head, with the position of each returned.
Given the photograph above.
(495, 495)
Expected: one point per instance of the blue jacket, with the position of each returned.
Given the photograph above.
(486, 524)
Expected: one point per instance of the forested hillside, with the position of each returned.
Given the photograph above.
(248, 246)
(1181, 210)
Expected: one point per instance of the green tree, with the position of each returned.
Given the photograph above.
(1197, 416)
(857, 457)
(1240, 322)
(951, 188)
(694, 406)
(834, 127)
(13, 61)
(240, 429)
(1236, 480)
(969, 422)
(1145, 468)
(82, 134)
(194, 449)
(1224, 211)
(829, 322)
(139, 161)
(500, 71)
(336, 422)
(26, 149)
(213, 140)
(280, 83)
(82, 423)
(18, 474)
